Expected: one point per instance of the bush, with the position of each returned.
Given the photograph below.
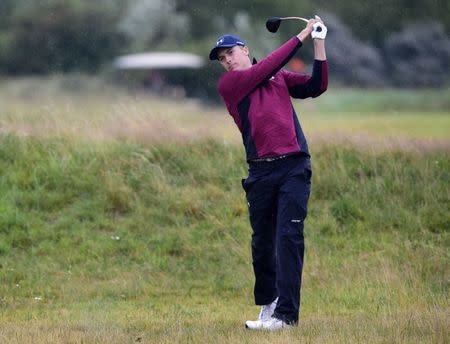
(419, 55)
(59, 37)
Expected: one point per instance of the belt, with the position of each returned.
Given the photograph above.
(275, 158)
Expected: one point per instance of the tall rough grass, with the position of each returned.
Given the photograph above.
(124, 242)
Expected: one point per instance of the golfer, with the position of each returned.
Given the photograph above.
(258, 97)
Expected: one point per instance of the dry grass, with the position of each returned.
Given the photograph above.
(144, 119)
(102, 114)
(197, 322)
(381, 142)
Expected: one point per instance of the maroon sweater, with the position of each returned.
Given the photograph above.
(259, 100)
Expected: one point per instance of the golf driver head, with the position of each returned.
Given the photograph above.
(273, 23)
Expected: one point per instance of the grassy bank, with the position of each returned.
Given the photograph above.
(124, 242)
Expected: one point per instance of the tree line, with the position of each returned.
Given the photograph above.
(47, 36)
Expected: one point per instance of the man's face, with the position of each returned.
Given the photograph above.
(234, 58)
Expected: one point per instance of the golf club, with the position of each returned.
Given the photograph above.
(273, 23)
(319, 30)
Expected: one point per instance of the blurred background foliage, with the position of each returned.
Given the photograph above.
(371, 43)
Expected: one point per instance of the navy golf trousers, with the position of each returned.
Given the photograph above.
(277, 195)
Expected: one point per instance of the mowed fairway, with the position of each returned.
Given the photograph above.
(122, 219)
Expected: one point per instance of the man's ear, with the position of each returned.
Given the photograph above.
(246, 50)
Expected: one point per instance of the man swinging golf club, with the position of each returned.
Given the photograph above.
(258, 97)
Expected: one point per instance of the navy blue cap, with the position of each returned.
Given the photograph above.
(226, 41)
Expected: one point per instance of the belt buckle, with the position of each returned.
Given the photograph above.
(275, 158)
(279, 157)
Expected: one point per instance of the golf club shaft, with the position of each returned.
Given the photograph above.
(297, 18)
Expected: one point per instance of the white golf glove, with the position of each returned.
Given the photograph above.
(319, 30)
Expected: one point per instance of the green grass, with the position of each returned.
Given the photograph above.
(122, 218)
(402, 126)
(383, 100)
(122, 242)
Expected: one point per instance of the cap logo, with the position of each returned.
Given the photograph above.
(225, 41)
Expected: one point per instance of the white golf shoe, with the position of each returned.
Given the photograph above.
(264, 315)
(274, 324)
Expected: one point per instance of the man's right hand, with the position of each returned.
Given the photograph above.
(307, 30)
